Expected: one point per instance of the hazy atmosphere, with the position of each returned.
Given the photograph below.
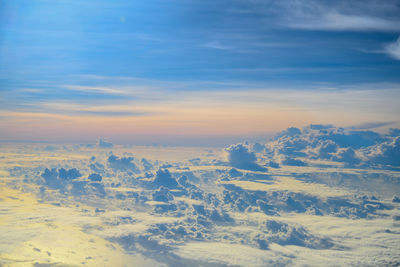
(199, 133)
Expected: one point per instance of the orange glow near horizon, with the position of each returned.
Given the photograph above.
(207, 115)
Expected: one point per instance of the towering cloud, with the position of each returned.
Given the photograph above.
(164, 178)
(240, 157)
(325, 142)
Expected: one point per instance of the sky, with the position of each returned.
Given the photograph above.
(195, 72)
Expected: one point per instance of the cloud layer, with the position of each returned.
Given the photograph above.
(319, 195)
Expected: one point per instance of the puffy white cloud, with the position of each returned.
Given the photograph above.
(58, 179)
(286, 234)
(164, 178)
(122, 164)
(387, 153)
(326, 149)
(162, 194)
(201, 212)
(295, 147)
(96, 167)
(240, 157)
(291, 131)
(146, 164)
(348, 156)
(69, 174)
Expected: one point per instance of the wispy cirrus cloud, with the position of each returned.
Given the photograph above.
(336, 21)
(393, 49)
(217, 45)
(371, 125)
(73, 109)
(95, 89)
(180, 108)
(333, 15)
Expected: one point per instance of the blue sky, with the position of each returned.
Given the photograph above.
(49, 47)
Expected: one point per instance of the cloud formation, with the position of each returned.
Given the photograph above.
(58, 179)
(164, 179)
(122, 164)
(340, 15)
(104, 144)
(386, 153)
(294, 147)
(240, 157)
(393, 49)
(327, 208)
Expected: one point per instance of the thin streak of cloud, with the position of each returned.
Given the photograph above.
(334, 21)
(371, 125)
(31, 90)
(333, 15)
(160, 103)
(72, 109)
(220, 112)
(288, 69)
(217, 45)
(95, 89)
(113, 113)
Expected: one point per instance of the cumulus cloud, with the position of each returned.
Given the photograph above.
(294, 147)
(285, 234)
(258, 148)
(352, 147)
(291, 131)
(104, 144)
(348, 156)
(164, 178)
(393, 49)
(240, 157)
(326, 149)
(387, 153)
(94, 177)
(291, 146)
(162, 194)
(354, 139)
(57, 179)
(122, 164)
(146, 164)
(69, 174)
(287, 214)
(70, 182)
(96, 167)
